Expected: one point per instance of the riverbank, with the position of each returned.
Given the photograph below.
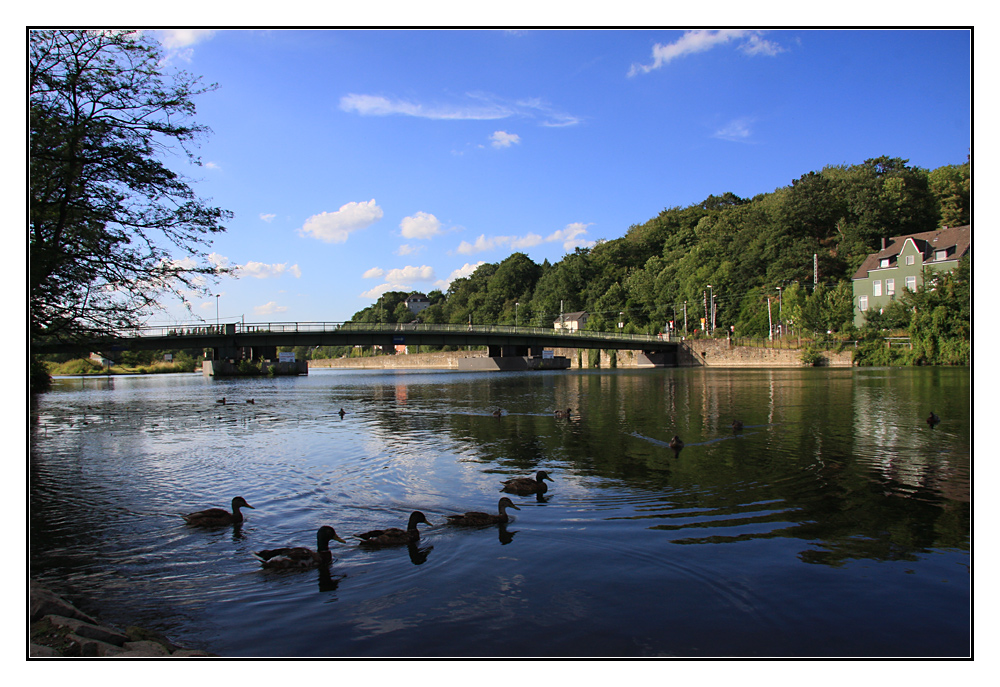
(59, 629)
(692, 353)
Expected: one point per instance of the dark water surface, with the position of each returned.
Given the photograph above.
(836, 523)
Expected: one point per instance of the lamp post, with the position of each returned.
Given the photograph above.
(217, 311)
(711, 309)
(516, 304)
(780, 321)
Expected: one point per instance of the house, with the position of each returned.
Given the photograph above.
(417, 302)
(903, 263)
(572, 321)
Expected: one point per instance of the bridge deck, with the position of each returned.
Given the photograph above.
(359, 334)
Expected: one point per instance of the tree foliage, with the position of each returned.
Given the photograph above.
(112, 228)
(746, 248)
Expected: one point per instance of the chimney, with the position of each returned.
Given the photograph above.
(883, 243)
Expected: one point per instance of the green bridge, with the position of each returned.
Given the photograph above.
(259, 341)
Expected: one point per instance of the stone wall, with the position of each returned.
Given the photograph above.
(692, 353)
(719, 353)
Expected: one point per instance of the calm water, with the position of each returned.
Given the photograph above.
(835, 524)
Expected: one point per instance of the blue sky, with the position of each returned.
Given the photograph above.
(358, 162)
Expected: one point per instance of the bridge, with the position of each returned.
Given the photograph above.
(255, 341)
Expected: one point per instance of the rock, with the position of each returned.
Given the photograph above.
(140, 634)
(88, 630)
(42, 602)
(144, 648)
(92, 647)
(41, 651)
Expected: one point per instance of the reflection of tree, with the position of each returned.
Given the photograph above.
(811, 463)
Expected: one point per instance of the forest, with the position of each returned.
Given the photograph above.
(784, 257)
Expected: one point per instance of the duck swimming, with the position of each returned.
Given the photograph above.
(498, 412)
(737, 425)
(564, 413)
(395, 536)
(475, 518)
(676, 444)
(216, 517)
(933, 419)
(526, 485)
(300, 556)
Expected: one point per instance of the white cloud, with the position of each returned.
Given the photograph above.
(568, 236)
(476, 106)
(464, 271)
(701, 40)
(373, 273)
(268, 217)
(422, 225)
(502, 139)
(375, 292)
(410, 273)
(172, 39)
(335, 227)
(407, 249)
(736, 130)
(261, 270)
(212, 165)
(270, 308)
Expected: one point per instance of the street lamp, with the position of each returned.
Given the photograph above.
(780, 321)
(711, 311)
(515, 314)
(217, 311)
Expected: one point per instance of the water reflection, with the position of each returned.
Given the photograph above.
(728, 538)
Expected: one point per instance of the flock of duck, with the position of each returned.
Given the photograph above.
(304, 557)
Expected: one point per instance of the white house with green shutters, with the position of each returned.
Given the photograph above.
(903, 263)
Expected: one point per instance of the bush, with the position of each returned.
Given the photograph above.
(812, 356)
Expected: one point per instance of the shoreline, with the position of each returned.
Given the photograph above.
(58, 629)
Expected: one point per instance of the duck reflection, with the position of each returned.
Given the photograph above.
(505, 535)
(418, 554)
(327, 581)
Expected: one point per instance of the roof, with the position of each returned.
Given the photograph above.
(572, 316)
(957, 239)
(415, 297)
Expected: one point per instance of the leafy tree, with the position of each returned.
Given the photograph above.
(951, 185)
(112, 228)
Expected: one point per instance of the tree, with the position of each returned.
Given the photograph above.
(112, 229)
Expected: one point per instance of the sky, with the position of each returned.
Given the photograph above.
(362, 161)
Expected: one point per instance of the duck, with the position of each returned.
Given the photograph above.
(395, 536)
(498, 412)
(475, 518)
(250, 401)
(737, 425)
(221, 400)
(676, 444)
(933, 419)
(526, 485)
(216, 517)
(564, 413)
(300, 556)
(342, 413)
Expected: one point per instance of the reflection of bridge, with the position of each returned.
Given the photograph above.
(259, 340)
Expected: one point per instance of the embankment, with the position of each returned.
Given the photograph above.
(692, 353)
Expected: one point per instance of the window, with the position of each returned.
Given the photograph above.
(884, 262)
(910, 259)
(877, 287)
(890, 287)
(941, 255)
(911, 283)
(862, 302)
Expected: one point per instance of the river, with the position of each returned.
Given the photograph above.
(836, 523)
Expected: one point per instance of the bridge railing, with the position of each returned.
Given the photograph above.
(386, 327)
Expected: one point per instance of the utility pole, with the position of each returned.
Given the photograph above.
(815, 271)
(685, 318)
